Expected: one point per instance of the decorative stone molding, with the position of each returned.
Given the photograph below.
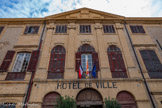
(59, 43)
(98, 27)
(119, 26)
(71, 27)
(145, 45)
(50, 27)
(86, 41)
(112, 43)
(2, 44)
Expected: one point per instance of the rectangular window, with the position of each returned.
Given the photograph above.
(152, 63)
(1, 29)
(8, 105)
(137, 29)
(31, 30)
(108, 29)
(21, 62)
(61, 29)
(85, 28)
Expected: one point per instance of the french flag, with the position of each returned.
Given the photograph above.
(80, 72)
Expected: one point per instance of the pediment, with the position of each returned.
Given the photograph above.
(84, 13)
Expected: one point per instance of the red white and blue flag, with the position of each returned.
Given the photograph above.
(80, 72)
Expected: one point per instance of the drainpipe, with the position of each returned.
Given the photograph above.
(25, 105)
(145, 82)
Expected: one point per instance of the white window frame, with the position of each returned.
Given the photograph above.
(19, 63)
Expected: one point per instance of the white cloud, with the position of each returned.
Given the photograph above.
(42, 8)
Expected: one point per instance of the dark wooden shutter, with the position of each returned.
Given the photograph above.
(36, 29)
(151, 61)
(1, 29)
(33, 61)
(7, 61)
(147, 60)
(26, 30)
(95, 60)
(77, 61)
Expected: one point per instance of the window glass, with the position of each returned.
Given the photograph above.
(61, 29)
(85, 29)
(21, 62)
(86, 59)
(137, 29)
(108, 29)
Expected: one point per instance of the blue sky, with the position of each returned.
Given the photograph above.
(42, 8)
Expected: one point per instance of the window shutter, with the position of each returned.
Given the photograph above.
(95, 60)
(147, 61)
(77, 61)
(1, 29)
(33, 61)
(26, 30)
(36, 29)
(7, 61)
(121, 62)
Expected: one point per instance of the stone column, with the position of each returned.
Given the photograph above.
(102, 53)
(45, 54)
(70, 56)
(128, 59)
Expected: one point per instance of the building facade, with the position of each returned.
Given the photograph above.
(119, 57)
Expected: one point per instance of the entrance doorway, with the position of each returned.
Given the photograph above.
(89, 98)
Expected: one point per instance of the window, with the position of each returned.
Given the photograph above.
(87, 57)
(126, 100)
(137, 29)
(57, 63)
(31, 30)
(21, 62)
(8, 105)
(61, 29)
(85, 29)
(116, 61)
(1, 29)
(152, 63)
(50, 100)
(108, 29)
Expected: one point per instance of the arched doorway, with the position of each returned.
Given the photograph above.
(50, 100)
(89, 98)
(126, 100)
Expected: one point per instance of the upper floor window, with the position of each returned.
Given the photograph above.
(1, 29)
(31, 30)
(108, 29)
(85, 28)
(87, 58)
(8, 105)
(57, 63)
(137, 29)
(116, 61)
(152, 63)
(61, 28)
(21, 63)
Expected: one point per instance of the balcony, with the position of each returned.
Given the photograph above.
(55, 75)
(155, 75)
(15, 76)
(119, 75)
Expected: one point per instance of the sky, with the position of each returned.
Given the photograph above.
(43, 8)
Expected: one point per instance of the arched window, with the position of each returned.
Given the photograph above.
(89, 96)
(152, 63)
(50, 100)
(57, 63)
(87, 58)
(126, 100)
(116, 62)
